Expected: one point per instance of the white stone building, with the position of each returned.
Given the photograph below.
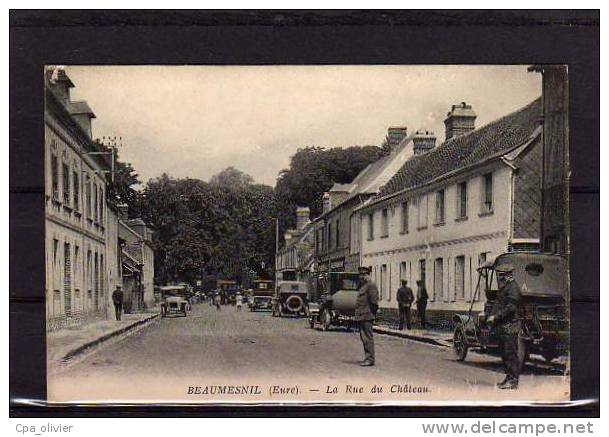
(455, 207)
(75, 208)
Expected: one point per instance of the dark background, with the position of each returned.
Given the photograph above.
(295, 37)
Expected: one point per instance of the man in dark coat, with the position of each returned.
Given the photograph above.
(506, 315)
(422, 297)
(405, 299)
(117, 299)
(365, 312)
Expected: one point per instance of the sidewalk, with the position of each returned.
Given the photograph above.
(70, 342)
(438, 338)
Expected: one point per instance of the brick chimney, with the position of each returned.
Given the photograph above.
(326, 204)
(302, 217)
(123, 211)
(423, 141)
(59, 82)
(395, 135)
(460, 120)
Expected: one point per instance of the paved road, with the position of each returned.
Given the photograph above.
(228, 347)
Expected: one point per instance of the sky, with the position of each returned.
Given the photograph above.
(194, 121)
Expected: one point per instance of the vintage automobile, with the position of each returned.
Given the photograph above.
(261, 296)
(333, 300)
(174, 300)
(543, 280)
(228, 291)
(290, 298)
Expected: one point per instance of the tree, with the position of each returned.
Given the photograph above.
(312, 171)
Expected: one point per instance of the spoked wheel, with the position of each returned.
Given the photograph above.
(326, 320)
(460, 344)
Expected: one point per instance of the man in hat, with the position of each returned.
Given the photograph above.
(405, 297)
(422, 298)
(117, 299)
(506, 315)
(365, 312)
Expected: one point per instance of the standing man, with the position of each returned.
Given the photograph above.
(506, 315)
(365, 312)
(405, 299)
(422, 297)
(217, 301)
(117, 299)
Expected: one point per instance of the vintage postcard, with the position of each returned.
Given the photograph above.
(307, 234)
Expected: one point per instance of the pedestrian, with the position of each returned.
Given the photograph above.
(405, 298)
(239, 299)
(117, 299)
(365, 312)
(422, 298)
(217, 301)
(506, 316)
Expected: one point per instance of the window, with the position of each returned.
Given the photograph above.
(460, 277)
(66, 183)
(88, 196)
(384, 223)
(101, 205)
(422, 271)
(384, 283)
(487, 193)
(371, 226)
(67, 280)
(440, 207)
(405, 217)
(462, 200)
(337, 234)
(438, 280)
(329, 235)
(55, 249)
(76, 185)
(55, 176)
(422, 212)
(94, 202)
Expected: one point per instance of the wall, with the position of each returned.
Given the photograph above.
(75, 294)
(401, 251)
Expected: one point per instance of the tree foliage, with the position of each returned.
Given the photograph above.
(313, 170)
(224, 228)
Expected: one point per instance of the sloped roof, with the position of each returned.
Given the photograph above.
(80, 107)
(460, 152)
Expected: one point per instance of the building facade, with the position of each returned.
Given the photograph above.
(294, 261)
(138, 263)
(337, 242)
(454, 208)
(75, 206)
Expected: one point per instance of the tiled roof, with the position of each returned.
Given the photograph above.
(463, 151)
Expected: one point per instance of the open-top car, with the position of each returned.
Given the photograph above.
(544, 283)
(290, 298)
(174, 300)
(334, 301)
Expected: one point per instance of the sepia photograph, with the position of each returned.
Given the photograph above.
(307, 234)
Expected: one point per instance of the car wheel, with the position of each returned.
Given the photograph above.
(326, 320)
(460, 344)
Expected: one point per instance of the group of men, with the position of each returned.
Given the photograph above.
(505, 315)
(405, 298)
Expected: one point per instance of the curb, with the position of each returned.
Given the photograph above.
(408, 336)
(80, 349)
